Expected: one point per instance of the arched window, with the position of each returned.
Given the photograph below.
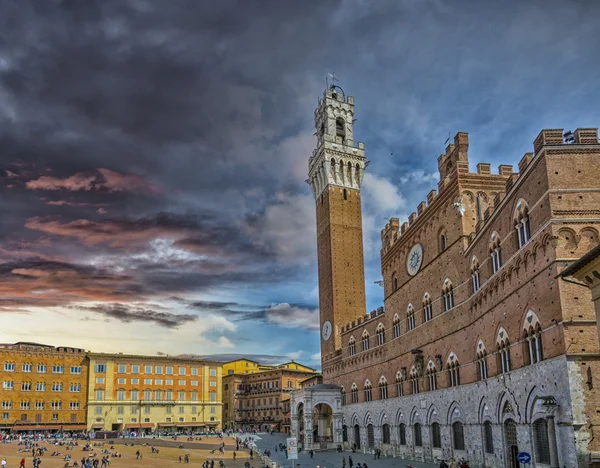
(396, 326)
(343, 396)
(533, 338)
(458, 436)
(503, 351)
(488, 437)
(436, 436)
(399, 384)
(402, 433)
(495, 252)
(410, 317)
(482, 369)
(380, 332)
(442, 240)
(453, 372)
(365, 340)
(414, 380)
(385, 429)
(39, 404)
(395, 283)
(540, 437)
(352, 346)
(431, 377)
(475, 274)
(521, 220)
(340, 127)
(25, 405)
(417, 435)
(7, 404)
(368, 389)
(448, 295)
(383, 388)
(427, 308)
(345, 195)
(354, 393)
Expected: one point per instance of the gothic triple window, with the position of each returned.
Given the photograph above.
(427, 308)
(533, 338)
(495, 252)
(380, 332)
(414, 381)
(365, 341)
(482, 368)
(399, 385)
(352, 346)
(410, 317)
(448, 295)
(431, 377)
(368, 391)
(475, 274)
(503, 351)
(383, 388)
(453, 370)
(354, 393)
(396, 326)
(522, 223)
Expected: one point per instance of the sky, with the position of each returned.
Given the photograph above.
(153, 154)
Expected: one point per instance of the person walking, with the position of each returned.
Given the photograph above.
(350, 462)
(343, 462)
(453, 463)
(443, 464)
(22, 463)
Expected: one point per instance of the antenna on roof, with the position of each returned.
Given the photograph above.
(333, 79)
(447, 139)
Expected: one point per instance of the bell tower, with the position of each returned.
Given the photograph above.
(335, 173)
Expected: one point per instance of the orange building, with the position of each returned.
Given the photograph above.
(44, 388)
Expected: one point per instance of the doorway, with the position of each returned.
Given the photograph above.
(370, 436)
(512, 448)
(357, 436)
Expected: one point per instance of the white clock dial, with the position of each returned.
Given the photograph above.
(414, 259)
(326, 331)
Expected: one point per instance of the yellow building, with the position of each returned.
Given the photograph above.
(153, 394)
(243, 366)
(44, 388)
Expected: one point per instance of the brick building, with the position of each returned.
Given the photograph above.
(257, 400)
(44, 388)
(153, 393)
(480, 352)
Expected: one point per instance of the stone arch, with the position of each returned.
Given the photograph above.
(433, 415)
(520, 210)
(530, 320)
(507, 408)
(568, 239)
(452, 358)
(501, 336)
(400, 417)
(533, 406)
(480, 348)
(415, 416)
(494, 241)
(485, 412)
(455, 413)
(368, 419)
(383, 418)
(590, 235)
(355, 419)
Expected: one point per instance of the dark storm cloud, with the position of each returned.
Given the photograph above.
(129, 313)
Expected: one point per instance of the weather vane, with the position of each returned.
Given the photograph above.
(333, 79)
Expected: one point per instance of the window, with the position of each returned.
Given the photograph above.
(169, 395)
(26, 386)
(135, 381)
(5, 415)
(368, 391)
(134, 410)
(402, 434)
(533, 338)
(147, 395)
(54, 416)
(75, 370)
(74, 405)
(194, 371)
(120, 410)
(99, 380)
(147, 381)
(57, 387)
(399, 385)
(453, 372)
(121, 395)
(194, 395)
(9, 367)
(213, 383)
(427, 308)
(540, 437)
(58, 369)
(133, 420)
(395, 283)
(181, 409)
(352, 346)
(354, 393)
(383, 388)
(448, 295)
(475, 274)
(410, 317)
(181, 395)
(135, 369)
(122, 369)
(39, 405)
(158, 370)
(26, 367)
(56, 405)
(7, 404)
(182, 371)
(98, 410)
(380, 334)
(443, 241)
(522, 223)
(158, 395)
(385, 429)
(343, 397)
(365, 341)
(213, 372)
(436, 437)
(418, 435)
(40, 387)
(194, 383)
(213, 396)
(503, 351)
(134, 395)
(482, 369)
(458, 436)
(75, 387)
(414, 381)
(8, 385)
(396, 326)
(147, 369)
(42, 368)
(99, 395)
(100, 368)
(431, 377)
(121, 380)
(488, 437)
(194, 409)
(495, 252)
(24, 405)
(169, 370)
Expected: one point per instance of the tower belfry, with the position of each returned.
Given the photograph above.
(335, 173)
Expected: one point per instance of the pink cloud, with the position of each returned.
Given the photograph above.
(77, 182)
(116, 182)
(11, 174)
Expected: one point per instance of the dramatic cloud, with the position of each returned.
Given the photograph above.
(129, 313)
(293, 316)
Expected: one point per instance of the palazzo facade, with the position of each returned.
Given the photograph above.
(479, 352)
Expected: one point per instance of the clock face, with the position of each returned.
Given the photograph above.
(326, 332)
(414, 259)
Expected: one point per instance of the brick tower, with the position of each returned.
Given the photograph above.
(335, 173)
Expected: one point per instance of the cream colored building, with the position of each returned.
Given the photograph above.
(153, 394)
